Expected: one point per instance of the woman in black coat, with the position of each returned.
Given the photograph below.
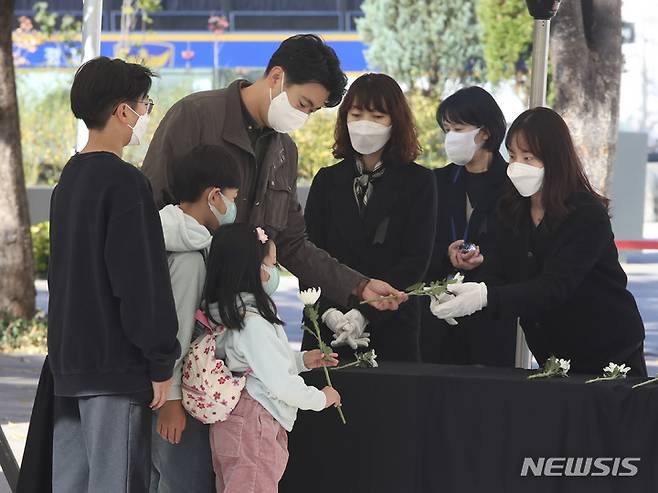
(374, 211)
(468, 191)
(558, 267)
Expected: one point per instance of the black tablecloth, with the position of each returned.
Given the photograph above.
(432, 428)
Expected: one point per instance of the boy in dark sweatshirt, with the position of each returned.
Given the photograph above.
(111, 318)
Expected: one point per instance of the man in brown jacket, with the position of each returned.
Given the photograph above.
(252, 121)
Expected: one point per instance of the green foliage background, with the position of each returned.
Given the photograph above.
(422, 43)
(41, 248)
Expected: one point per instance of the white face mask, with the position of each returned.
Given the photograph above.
(525, 178)
(139, 129)
(281, 115)
(368, 137)
(460, 146)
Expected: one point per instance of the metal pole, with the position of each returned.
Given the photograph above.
(92, 14)
(540, 40)
(542, 31)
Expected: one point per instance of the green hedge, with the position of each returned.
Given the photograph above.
(25, 335)
(41, 248)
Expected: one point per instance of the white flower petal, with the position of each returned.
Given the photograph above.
(310, 296)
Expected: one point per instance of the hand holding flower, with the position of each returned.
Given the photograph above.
(317, 359)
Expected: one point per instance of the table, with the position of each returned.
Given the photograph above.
(434, 428)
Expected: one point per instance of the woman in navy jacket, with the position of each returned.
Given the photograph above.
(468, 193)
(558, 267)
(376, 212)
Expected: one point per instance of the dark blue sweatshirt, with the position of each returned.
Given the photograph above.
(111, 316)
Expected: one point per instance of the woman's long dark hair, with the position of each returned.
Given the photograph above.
(546, 135)
(233, 267)
(379, 92)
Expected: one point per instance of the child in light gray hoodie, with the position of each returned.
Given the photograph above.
(205, 184)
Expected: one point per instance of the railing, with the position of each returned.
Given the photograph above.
(239, 20)
(636, 244)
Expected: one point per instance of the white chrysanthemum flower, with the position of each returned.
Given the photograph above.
(565, 364)
(367, 360)
(623, 369)
(373, 358)
(459, 277)
(310, 296)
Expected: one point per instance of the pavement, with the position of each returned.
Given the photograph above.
(19, 374)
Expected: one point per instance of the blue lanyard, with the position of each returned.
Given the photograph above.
(454, 229)
(452, 219)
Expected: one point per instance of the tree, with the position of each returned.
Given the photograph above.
(423, 43)
(587, 60)
(130, 10)
(314, 141)
(506, 42)
(68, 31)
(16, 264)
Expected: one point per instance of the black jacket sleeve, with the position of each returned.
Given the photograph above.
(139, 276)
(417, 242)
(315, 211)
(582, 243)
(439, 266)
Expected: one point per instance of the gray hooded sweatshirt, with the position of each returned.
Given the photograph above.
(184, 239)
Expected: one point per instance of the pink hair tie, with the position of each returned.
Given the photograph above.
(262, 236)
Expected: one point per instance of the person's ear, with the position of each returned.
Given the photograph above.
(213, 194)
(123, 114)
(274, 78)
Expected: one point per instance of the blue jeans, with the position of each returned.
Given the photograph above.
(186, 466)
(102, 443)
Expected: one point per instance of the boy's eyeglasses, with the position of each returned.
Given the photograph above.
(148, 102)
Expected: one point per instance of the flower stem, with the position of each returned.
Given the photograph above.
(653, 380)
(601, 379)
(353, 363)
(312, 315)
(340, 410)
(377, 300)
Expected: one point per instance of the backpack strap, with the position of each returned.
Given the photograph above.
(203, 320)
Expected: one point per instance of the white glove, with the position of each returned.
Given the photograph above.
(469, 298)
(358, 338)
(349, 338)
(437, 300)
(348, 328)
(357, 320)
(335, 320)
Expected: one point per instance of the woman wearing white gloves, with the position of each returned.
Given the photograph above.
(375, 211)
(468, 191)
(557, 266)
